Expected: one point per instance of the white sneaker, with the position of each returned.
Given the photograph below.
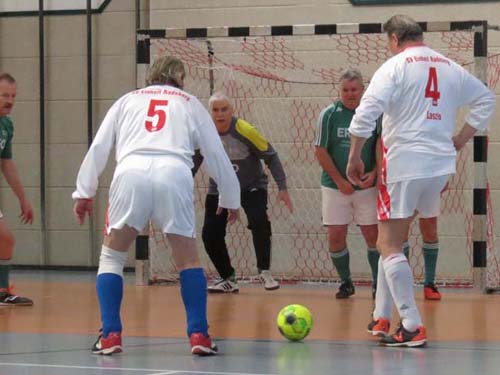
(224, 286)
(267, 279)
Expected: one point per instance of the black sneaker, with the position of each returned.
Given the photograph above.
(402, 337)
(9, 299)
(346, 289)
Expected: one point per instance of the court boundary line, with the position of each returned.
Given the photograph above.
(150, 371)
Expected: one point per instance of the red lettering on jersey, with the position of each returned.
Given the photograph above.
(433, 115)
(431, 89)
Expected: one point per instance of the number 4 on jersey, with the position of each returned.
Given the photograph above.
(155, 110)
(431, 89)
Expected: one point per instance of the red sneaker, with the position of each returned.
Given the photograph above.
(402, 337)
(109, 345)
(431, 292)
(379, 327)
(202, 345)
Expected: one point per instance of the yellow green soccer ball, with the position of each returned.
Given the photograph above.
(295, 322)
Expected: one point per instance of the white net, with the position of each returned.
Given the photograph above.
(280, 85)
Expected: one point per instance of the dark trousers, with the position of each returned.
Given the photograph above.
(254, 204)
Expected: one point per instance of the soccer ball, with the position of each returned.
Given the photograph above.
(294, 322)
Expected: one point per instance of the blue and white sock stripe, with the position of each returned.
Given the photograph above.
(301, 29)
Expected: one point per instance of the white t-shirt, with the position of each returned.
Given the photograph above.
(419, 92)
(159, 121)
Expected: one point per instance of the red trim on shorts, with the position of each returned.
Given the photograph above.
(383, 197)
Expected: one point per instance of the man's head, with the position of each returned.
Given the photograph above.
(402, 31)
(8, 90)
(351, 88)
(167, 70)
(221, 111)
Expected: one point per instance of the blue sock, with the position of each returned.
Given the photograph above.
(194, 295)
(109, 288)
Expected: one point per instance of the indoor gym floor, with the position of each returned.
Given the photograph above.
(54, 336)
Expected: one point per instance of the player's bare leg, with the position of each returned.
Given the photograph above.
(194, 293)
(370, 233)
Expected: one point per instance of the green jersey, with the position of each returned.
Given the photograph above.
(6, 135)
(332, 133)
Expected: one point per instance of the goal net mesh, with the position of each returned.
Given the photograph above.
(280, 85)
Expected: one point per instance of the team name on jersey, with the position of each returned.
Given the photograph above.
(343, 133)
(161, 92)
(432, 59)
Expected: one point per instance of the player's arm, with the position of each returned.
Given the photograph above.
(11, 175)
(355, 166)
(260, 147)
(217, 162)
(482, 104)
(324, 158)
(93, 164)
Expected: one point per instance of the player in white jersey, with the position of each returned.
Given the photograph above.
(155, 131)
(419, 91)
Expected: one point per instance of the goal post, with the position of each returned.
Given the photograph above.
(279, 78)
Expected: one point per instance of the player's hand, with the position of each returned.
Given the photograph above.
(284, 197)
(345, 187)
(232, 214)
(26, 212)
(458, 142)
(355, 170)
(368, 179)
(82, 207)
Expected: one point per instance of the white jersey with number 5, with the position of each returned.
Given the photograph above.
(419, 92)
(163, 121)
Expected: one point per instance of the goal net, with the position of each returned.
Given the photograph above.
(280, 84)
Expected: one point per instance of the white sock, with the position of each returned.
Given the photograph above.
(112, 261)
(400, 280)
(383, 298)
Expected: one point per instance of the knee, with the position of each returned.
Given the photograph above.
(262, 228)
(7, 241)
(428, 230)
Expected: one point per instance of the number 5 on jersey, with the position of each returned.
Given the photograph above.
(431, 89)
(157, 115)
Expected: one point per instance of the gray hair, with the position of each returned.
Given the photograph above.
(7, 77)
(166, 70)
(218, 96)
(405, 28)
(351, 74)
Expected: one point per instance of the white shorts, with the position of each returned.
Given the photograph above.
(341, 209)
(402, 199)
(152, 188)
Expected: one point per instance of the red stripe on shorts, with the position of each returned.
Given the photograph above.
(383, 197)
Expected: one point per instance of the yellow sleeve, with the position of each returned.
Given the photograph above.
(248, 131)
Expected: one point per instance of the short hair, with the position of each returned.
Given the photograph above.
(351, 74)
(218, 96)
(165, 70)
(7, 77)
(405, 28)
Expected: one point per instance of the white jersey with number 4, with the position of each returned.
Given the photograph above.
(159, 121)
(419, 92)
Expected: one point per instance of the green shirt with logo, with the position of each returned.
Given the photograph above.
(6, 135)
(332, 133)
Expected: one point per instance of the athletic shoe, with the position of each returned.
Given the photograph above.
(9, 299)
(431, 292)
(346, 289)
(379, 327)
(109, 345)
(224, 286)
(268, 280)
(202, 345)
(402, 337)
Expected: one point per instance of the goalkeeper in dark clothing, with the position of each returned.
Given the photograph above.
(246, 148)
